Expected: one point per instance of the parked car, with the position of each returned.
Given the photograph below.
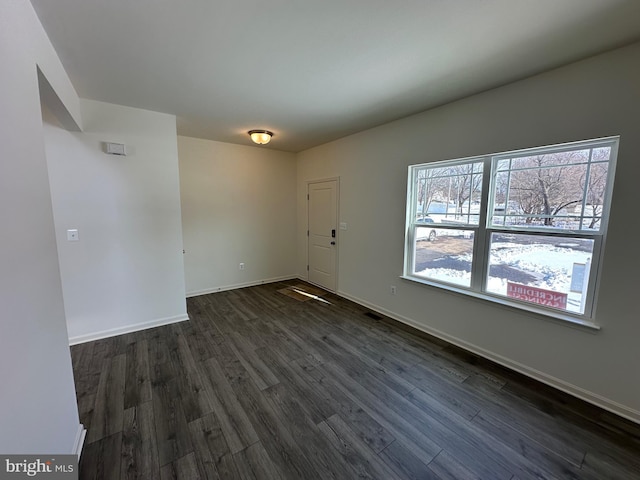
(431, 234)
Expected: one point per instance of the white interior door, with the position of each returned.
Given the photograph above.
(323, 233)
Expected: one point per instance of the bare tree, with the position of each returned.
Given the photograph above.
(428, 189)
(466, 182)
(545, 185)
(597, 184)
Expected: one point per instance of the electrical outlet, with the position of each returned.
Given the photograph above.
(393, 289)
(72, 235)
(241, 266)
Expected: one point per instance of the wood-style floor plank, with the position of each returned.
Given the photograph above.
(101, 459)
(550, 463)
(363, 463)
(254, 463)
(405, 463)
(172, 433)
(258, 385)
(138, 376)
(255, 367)
(317, 449)
(108, 412)
(193, 389)
(210, 447)
(316, 407)
(272, 431)
(374, 435)
(183, 467)
(446, 467)
(405, 430)
(139, 447)
(234, 422)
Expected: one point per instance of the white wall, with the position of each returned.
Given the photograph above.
(593, 98)
(38, 412)
(126, 271)
(238, 205)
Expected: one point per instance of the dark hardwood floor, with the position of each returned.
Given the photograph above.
(259, 385)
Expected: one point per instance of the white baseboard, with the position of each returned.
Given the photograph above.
(587, 396)
(79, 441)
(112, 332)
(207, 291)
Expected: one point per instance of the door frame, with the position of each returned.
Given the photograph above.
(337, 262)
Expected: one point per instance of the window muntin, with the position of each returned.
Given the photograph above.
(533, 222)
(562, 189)
(449, 193)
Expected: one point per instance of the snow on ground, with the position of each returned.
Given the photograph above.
(457, 277)
(550, 265)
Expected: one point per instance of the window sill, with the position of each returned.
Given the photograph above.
(568, 320)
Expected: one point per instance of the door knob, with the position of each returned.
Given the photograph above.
(333, 243)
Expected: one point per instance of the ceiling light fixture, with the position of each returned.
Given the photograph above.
(261, 137)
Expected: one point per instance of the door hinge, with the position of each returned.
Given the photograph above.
(307, 196)
(307, 233)
(307, 268)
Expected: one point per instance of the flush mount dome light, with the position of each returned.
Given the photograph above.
(261, 137)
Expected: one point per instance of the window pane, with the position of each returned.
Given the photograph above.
(601, 154)
(562, 190)
(562, 158)
(443, 254)
(449, 194)
(596, 191)
(544, 270)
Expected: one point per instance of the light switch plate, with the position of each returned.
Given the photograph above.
(343, 225)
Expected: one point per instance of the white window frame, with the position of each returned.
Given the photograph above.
(484, 229)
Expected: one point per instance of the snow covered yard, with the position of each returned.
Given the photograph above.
(536, 261)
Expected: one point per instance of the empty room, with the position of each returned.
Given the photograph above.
(339, 239)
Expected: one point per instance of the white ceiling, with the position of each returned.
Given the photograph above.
(314, 71)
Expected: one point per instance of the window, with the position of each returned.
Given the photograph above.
(523, 228)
